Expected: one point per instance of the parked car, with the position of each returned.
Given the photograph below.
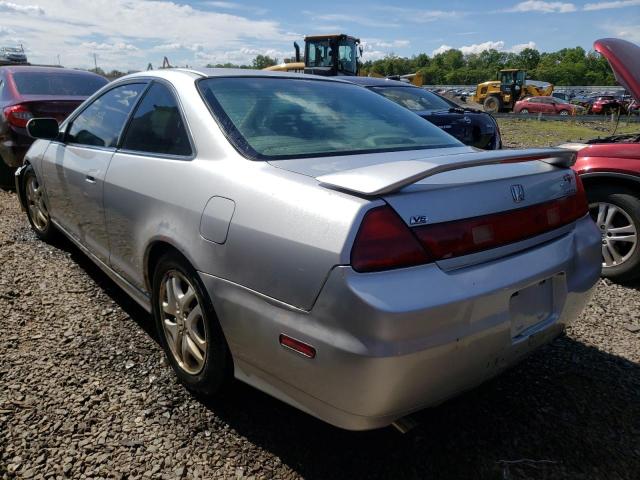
(27, 91)
(610, 169)
(471, 127)
(313, 238)
(12, 56)
(585, 101)
(547, 106)
(561, 96)
(608, 104)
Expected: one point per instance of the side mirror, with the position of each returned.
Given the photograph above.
(44, 128)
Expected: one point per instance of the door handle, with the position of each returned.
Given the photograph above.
(90, 179)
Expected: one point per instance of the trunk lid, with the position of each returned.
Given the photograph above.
(448, 184)
(53, 107)
(624, 58)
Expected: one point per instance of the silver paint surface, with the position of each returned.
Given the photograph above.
(388, 343)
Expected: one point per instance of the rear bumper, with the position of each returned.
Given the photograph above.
(390, 343)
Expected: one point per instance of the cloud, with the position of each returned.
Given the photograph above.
(354, 19)
(488, 45)
(608, 5)
(126, 34)
(543, 7)
(521, 46)
(625, 31)
(392, 44)
(237, 6)
(110, 47)
(415, 15)
(15, 8)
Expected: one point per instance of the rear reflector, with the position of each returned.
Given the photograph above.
(297, 346)
(384, 241)
(18, 115)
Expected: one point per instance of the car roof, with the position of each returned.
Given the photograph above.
(229, 72)
(32, 68)
(376, 82)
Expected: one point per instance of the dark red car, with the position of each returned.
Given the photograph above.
(610, 170)
(546, 105)
(26, 92)
(608, 104)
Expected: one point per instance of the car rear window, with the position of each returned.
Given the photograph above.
(62, 84)
(413, 98)
(278, 118)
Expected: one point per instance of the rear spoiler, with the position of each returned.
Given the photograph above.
(390, 177)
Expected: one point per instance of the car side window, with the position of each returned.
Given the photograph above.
(157, 125)
(101, 123)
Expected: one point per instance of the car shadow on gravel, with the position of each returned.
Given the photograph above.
(568, 411)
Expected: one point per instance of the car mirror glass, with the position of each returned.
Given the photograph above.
(44, 128)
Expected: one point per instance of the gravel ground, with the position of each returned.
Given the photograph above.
(85, 393)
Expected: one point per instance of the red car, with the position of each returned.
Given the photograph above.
(610, 170)
(608, 104)
(545, 105)
(27, 91)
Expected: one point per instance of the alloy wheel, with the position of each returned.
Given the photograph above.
(619, 233)
(183, 322)
(35, 202)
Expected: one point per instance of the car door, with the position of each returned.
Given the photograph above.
(74, 168)
(148, 171)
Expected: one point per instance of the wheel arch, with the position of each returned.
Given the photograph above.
(20, 184)
(625, 180)
(155, 250)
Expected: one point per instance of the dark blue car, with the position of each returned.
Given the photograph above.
(471, 127)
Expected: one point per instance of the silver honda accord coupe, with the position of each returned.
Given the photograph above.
(314, 239)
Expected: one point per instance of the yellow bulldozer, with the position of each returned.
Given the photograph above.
(512, 85)
(327, 55)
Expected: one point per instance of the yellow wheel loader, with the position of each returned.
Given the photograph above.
(327, 55)
(502, 94)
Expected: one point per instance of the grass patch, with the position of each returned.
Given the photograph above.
(519, 133)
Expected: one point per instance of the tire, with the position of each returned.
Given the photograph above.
(6, 175)
(197, 350)
(524, 111)
(623, 206)
(492, 104)
(37, 210)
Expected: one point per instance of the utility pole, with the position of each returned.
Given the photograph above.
(59, 60)
(95, 62)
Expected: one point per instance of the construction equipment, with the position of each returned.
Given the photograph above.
(327, 55)
(512, 85)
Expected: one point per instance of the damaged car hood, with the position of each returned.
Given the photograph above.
(624, 58)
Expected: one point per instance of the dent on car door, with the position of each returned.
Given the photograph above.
(75, 169)
(150, 189)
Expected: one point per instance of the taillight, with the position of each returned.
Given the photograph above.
(384, 241)
(462, 237)
(18, 115)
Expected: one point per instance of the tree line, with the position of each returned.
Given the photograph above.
(569, 66)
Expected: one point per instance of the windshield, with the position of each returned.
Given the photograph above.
(415, 99)
(277, 118)
(59, 84)
(319, 53)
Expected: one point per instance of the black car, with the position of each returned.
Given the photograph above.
(471, 127)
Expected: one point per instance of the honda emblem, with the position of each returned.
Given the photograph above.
(517, 192)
